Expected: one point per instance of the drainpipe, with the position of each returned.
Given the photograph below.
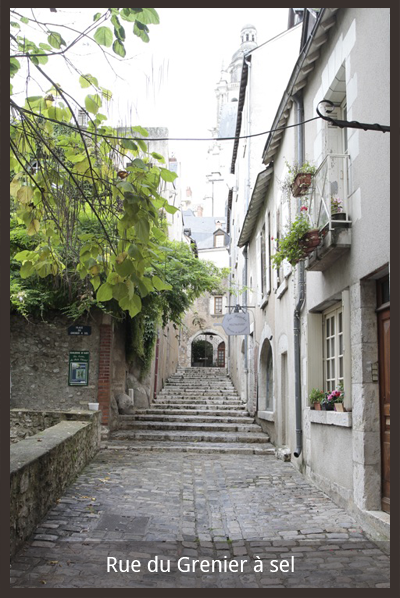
(245, 254)
(246, 338)
(248, 62)
(156, 366)
(298, 99)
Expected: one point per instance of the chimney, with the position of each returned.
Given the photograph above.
(188, 192)
(199, 211)
(218, 224)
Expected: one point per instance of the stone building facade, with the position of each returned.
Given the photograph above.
(326, 321)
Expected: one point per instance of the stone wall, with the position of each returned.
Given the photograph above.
(25, 422)
(39, 359)
(42, 466)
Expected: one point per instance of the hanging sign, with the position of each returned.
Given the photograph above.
(80, 330)
(78, 371)
(236, 324)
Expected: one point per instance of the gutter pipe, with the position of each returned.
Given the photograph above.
(298, 99)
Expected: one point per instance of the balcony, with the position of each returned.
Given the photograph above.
(331, 181)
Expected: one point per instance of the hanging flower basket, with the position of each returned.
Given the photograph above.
(301, 184)
(310, 241)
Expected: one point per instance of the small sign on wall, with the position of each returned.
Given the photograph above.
(78, 371)
(79, 330)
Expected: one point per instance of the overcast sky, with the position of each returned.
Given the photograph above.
(170, 81)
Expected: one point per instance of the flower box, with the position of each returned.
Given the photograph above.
(301, 184)
(310, 241)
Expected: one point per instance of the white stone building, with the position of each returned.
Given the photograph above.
(325, 321)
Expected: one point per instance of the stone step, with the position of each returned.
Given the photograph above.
(210, 389)
(189, 436)
(190, 426)
(236, 448)
(178, 416)
(197, 399)
(191, 408)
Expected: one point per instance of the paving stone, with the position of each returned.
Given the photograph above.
(175, 503)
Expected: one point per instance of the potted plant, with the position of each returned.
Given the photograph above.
(334, 399)
(337, 209)
(315, 398)
(338, 396)
(299, 240)
(299, 178)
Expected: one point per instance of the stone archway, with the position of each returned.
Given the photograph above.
(215, 339)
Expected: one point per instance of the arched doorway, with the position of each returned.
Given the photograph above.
(266, 378)
(207, 349)
(202, 353)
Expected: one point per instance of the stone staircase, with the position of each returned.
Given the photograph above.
(198, 411)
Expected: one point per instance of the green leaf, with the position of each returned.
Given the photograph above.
(97, 16)
(33, 228)
(24, 20)
(160, 285)
(142, 144)
(24, 194)
(45, 47)
(148, 16)
(118, 48)
(138, 163)
(95, 282)
(135, 252)
(105, 292)
(88, 80)
(92, 104)
(14, 66)
(129, 144)
(128, 14)
(167, 175)
(133, 305)
(104, 36)
(142, 228)
(120, 290)
(27, 270)
(140, 130)
(107, 95)
(125, 268)
(55, 40)
(141, 31)
(158, 157)
(170, 209)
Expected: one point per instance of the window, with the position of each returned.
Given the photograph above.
(218, 305)
(219, 240)
(333, 348)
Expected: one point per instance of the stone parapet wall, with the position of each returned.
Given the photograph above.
(26, 422)
(42, 466)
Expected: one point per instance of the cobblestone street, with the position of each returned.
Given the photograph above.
(128, 507)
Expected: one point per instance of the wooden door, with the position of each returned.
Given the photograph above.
(221, 355)
(384, 395)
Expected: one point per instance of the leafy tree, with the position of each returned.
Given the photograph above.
(90, 198)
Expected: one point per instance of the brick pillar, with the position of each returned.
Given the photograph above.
(104, 381)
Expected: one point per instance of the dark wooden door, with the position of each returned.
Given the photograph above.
(221, 355)
(384, 395)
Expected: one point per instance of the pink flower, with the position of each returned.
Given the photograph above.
(303, 209)
(272, 238)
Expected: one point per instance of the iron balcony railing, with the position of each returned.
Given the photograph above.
(331, 182)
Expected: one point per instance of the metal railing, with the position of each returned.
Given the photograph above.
(330, 181)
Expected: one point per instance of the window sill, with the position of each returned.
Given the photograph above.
(331, 418)
(264, 302)
(282, 288)
(267, 415)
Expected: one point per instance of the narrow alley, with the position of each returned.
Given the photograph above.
(202, 504)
